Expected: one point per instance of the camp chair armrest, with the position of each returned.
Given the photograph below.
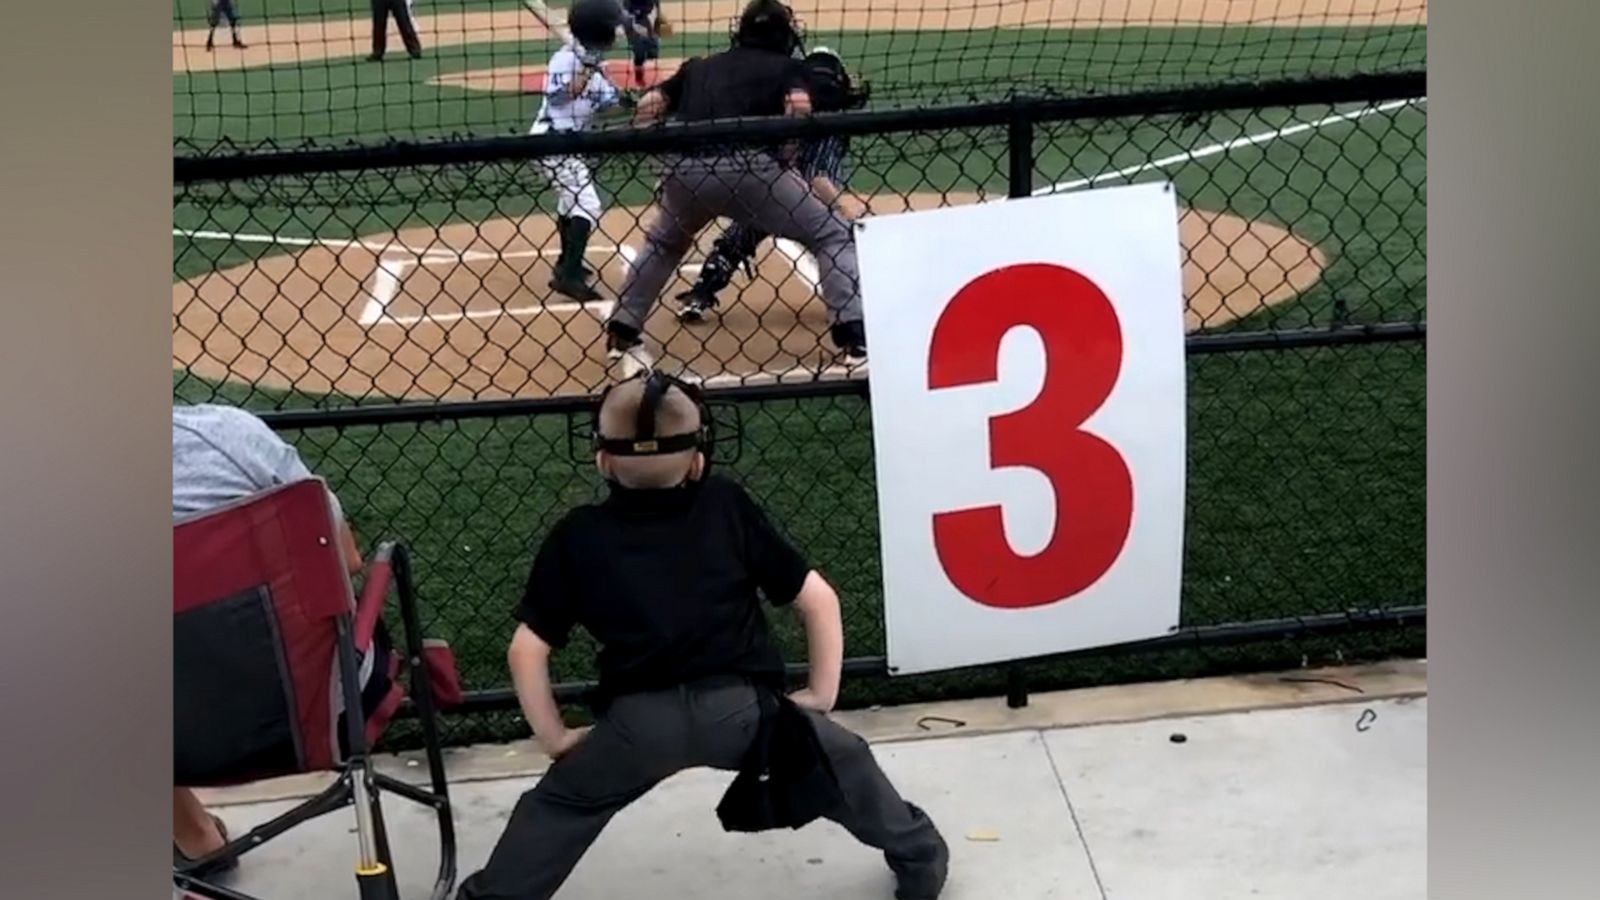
(374, 595)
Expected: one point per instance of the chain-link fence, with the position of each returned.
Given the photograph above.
(389, 310)
(304, 74)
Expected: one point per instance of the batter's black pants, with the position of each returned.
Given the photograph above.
(642, 739)
(381, 10)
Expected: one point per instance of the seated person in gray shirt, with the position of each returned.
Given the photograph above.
(221, 454)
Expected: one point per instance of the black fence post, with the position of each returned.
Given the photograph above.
(1019, 146)
(1016, 687)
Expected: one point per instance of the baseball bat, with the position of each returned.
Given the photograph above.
(548, 19)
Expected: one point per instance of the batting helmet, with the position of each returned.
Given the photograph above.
(594, 23)
(768, 25)
(831, 87)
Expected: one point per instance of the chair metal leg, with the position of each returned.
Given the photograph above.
(446, 877)
(428, 715)
(193, 887)
(374, 865)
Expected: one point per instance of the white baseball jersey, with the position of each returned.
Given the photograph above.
(559, 110)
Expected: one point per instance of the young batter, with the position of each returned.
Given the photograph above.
(575, 91)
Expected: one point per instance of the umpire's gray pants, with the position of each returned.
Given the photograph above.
(644, 738)
(753, 190)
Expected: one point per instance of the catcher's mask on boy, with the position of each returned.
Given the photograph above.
(645, 441)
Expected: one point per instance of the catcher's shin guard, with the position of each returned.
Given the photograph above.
(732, 251)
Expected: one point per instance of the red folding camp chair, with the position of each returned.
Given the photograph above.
(267, 639)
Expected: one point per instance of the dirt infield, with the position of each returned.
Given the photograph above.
(530, 80)
(309, 40)
(463, 312)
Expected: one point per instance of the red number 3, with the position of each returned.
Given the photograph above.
(1092, 485)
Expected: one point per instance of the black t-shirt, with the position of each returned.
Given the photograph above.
(666, 581)
(735, 83)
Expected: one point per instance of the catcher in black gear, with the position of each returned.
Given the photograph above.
(832, 91)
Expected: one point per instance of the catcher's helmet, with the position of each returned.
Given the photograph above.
(594, 23)
(831, 87)
(768, 25)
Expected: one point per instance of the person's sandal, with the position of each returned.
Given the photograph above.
(179, 861)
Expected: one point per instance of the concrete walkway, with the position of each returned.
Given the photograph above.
(1302, 786)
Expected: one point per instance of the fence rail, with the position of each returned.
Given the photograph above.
(442, 414)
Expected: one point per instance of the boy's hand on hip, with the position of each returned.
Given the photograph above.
(561, 744)
(809, 699)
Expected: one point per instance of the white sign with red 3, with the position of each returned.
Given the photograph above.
(1028, 416)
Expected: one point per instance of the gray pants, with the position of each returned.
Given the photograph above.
(644, 738)
(753, 190)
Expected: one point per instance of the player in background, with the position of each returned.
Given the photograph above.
(214, 16)
(821, 163)
(645, 25)
(575, 91)
(400, 10)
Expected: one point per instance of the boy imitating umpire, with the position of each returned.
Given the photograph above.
(667, 575)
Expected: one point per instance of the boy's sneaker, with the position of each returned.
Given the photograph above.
(696, 304)
(851, 339)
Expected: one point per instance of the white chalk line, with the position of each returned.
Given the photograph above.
(803, 263)
(385, 286)
(283, 240)
(1249, 140)
(792, 374)
(375, 312)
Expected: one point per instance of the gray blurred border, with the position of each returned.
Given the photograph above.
(1514, 510)
(85, 647)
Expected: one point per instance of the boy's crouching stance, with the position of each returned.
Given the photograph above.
(664, 574)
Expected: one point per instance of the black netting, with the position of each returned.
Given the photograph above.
(394, 320)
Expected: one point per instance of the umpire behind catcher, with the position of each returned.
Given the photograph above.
(758, 76)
